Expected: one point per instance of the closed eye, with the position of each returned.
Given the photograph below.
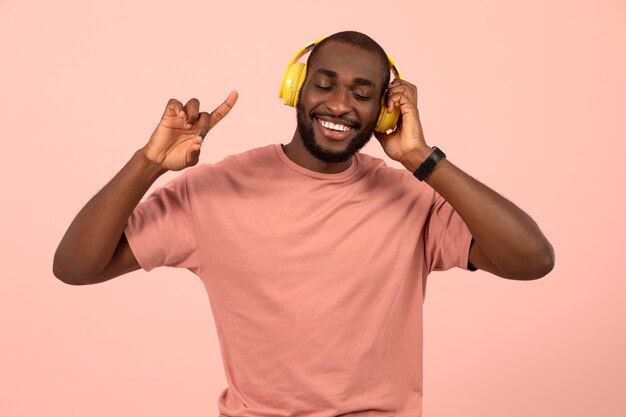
(362, 97)
(323, 87)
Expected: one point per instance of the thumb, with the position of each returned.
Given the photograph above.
(192, 157)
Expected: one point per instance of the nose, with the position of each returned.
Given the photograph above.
(338, 102)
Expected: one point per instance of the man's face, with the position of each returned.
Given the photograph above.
(339, 102)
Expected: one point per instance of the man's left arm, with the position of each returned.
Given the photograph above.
(507, 242)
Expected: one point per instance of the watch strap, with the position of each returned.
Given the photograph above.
(427, 166)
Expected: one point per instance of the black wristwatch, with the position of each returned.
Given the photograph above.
(427, 166)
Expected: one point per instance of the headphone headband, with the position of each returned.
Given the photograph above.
(311, 45)
(296, 73)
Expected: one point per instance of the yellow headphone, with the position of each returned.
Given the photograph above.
(296, 73)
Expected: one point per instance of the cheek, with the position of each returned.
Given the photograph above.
(307, 93)
(370, 113)
(307, 102)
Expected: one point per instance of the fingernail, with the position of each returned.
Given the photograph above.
(181, 113)
(188, 125)
(199, 138)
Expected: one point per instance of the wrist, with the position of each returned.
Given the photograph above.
(151, 168)
(413, 159)
(426, 168)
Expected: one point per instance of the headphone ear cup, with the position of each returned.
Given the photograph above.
(387, 121)
(292, 83)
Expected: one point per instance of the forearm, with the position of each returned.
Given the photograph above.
(507, 241)
(93, 236)
(509, 238)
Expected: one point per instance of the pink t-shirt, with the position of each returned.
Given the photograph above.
(316, 281)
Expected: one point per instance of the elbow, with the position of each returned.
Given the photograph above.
(546, 260)
(58, 270)
(542, 267)
(62, 271)
(63, 276)
(547, 264)
(540, 264)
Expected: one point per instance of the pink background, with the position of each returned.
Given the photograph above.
(529, 97)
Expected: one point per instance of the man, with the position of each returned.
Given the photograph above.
(314, 256)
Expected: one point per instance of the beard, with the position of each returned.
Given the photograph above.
(305, 129)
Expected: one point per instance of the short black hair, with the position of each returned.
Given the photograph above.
(359, 40)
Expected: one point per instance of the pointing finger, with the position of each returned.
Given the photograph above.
(223, 109)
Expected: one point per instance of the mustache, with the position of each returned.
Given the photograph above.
(344, 119)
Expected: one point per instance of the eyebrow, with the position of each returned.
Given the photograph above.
(358, 80)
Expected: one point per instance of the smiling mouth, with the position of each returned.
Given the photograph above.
(332, 130)
(334, 126)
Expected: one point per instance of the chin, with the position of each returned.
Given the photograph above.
(312, 144)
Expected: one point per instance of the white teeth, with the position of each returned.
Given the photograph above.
(334, 126)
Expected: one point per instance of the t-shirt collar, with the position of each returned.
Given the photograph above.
(348, 172)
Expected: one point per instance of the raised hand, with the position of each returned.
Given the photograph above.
(408, 138)
(175, 143)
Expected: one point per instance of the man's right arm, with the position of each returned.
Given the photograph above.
(94, 248)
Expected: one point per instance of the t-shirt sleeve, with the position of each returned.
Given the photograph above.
(160, 230)
(447, 238)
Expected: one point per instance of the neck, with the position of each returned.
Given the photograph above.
(297, 152)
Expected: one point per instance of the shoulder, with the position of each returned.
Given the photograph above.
(247, 161)
(262, 155)
(395, 184)
(236, 171)
(396, 189)
(374, 166)
(377, 171)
